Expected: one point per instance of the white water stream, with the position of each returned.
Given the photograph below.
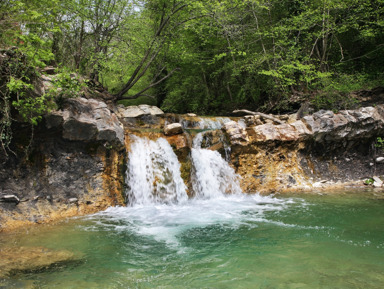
(159, 207)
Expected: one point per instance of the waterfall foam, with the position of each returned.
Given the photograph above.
(153, 173)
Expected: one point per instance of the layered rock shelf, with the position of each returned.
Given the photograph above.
(77, 162)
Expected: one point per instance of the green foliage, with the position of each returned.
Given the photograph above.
(208, 57)
(18, 98)
(65, 85)
(369, 181)
(379, 143)
(138, 101)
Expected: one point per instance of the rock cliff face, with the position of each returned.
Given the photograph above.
(77, 162)
(320, 150)
(74, 167)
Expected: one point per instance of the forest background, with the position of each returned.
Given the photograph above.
(207, 57)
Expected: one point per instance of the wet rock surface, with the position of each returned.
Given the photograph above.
(33, 259)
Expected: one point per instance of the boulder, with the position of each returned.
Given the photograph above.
(173, 129)
(134, 111)
(237, 134)
(87, 120)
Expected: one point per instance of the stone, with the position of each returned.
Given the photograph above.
(23, 259)
(87, 120)
(134, 111)
(237, 134)
(73, 200)
(173, 129)
(380, 160)
(191, 114)
(377, 182)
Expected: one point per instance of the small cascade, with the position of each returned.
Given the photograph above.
(153, 173)
(213, 176)
(205, 123)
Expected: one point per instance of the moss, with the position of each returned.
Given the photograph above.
(185, 170)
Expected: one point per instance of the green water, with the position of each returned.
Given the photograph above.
(297, 241)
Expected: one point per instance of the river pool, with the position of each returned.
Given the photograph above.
(314, 240)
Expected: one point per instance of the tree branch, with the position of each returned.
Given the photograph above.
(258, 113)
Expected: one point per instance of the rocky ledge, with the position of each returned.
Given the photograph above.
(75, 166)
(322, 150)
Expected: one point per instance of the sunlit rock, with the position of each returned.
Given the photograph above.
(134, 111)
(237, 134)
(87, 120)
(173, 129)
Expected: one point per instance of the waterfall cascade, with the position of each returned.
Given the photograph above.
(212, 175)
(153, 173)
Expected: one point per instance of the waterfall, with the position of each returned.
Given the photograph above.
(153, 173)
(212, 175)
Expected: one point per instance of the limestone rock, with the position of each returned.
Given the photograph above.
(134, 111)
(87, 120)
(322, 126)
(173, 129)
(237, 134)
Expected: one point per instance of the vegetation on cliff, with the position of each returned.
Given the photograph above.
(201, 56)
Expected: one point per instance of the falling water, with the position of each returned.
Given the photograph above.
(153, 173)
(213, 176)
(205, 123)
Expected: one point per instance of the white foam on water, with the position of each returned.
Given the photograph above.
(159, 206)
(166, 222)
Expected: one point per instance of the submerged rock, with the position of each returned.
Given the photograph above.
(24, 260)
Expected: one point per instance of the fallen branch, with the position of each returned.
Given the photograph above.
(263, 115)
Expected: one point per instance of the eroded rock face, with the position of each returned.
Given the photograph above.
(322, 126)
(317, 151)
(87, 120)
(74, 167)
